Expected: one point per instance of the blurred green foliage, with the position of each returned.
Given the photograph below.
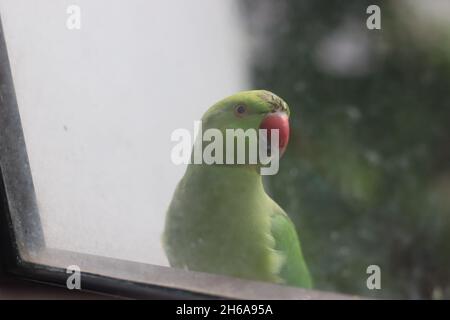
(366, 177)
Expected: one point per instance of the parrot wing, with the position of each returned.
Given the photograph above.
(293, 270)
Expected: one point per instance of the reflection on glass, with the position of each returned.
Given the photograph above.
(99, 104)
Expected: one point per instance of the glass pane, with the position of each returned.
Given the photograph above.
(98, 106)
(365, 176)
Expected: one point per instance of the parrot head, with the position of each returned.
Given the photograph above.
(256, 109)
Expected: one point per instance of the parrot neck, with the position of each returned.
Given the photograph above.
(222, 175)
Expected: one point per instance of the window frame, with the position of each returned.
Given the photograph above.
(17, 198)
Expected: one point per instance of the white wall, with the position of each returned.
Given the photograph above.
(98, 106)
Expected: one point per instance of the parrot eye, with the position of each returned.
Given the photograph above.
(240, 110)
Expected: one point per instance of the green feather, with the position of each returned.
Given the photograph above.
(294, 270)
(221, 220)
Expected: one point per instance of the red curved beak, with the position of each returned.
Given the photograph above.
(280, 121)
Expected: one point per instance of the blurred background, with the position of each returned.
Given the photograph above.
(366, 177)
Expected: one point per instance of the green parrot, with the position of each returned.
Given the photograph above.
(221, 220)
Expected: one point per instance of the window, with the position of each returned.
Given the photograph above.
(91, 93)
